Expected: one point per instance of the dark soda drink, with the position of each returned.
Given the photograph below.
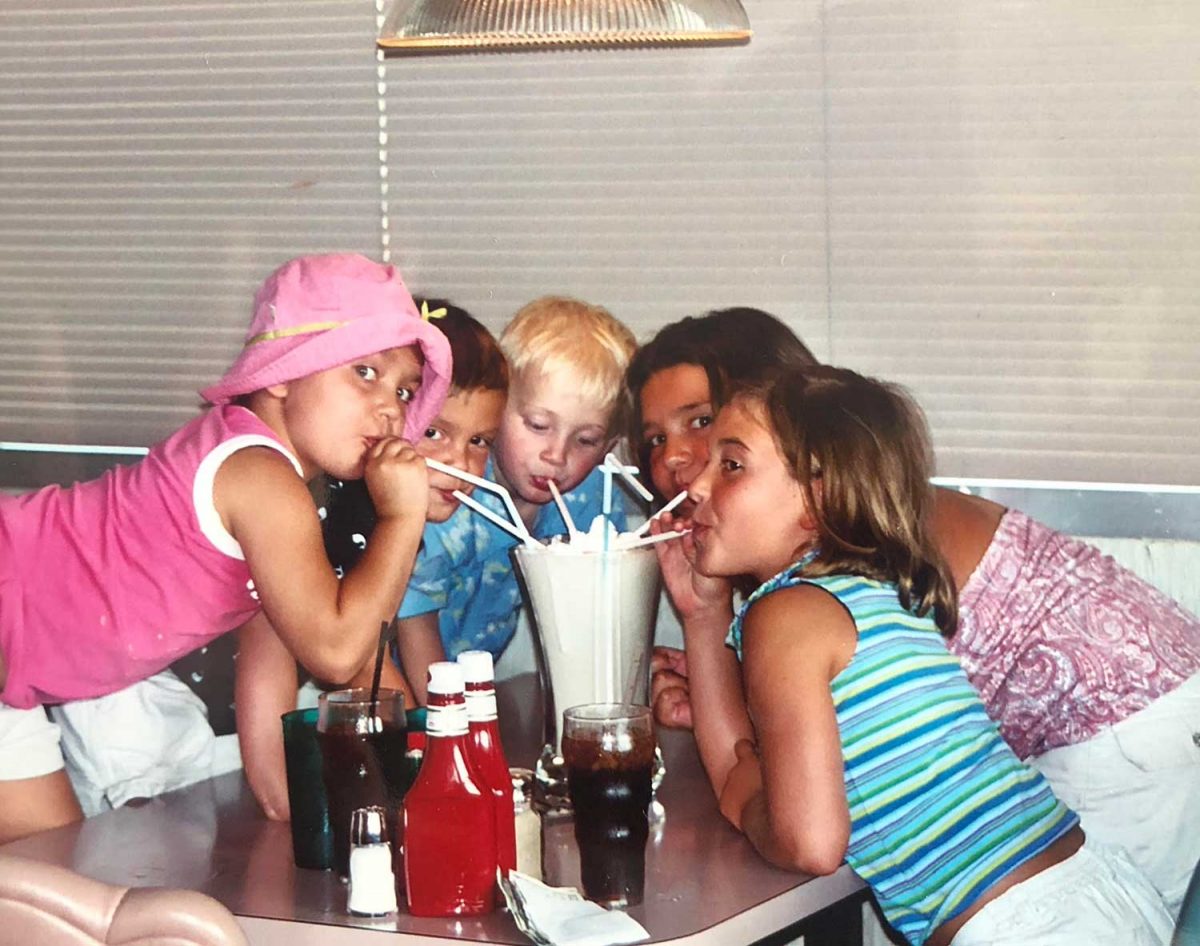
(610, 792)
(360, 770)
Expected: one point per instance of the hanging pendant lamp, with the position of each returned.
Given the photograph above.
(431, 25)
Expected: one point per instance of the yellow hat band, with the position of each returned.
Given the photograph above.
(309, 329)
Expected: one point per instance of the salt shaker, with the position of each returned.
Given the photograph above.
(528, 824)
(372, 882)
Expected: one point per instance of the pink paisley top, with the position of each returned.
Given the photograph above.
(1061, 641)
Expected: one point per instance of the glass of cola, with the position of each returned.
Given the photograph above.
(608, 749)
(364, 764)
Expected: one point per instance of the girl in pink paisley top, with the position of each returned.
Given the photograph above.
(1091, 673)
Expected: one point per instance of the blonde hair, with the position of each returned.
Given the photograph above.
(860, 450)
(556, 333)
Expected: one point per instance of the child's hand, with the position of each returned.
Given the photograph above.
(397, 479)
(691, 592)
(743, 784)
(669, 693)
(669, 659)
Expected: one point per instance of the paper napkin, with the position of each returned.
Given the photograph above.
(559, 916)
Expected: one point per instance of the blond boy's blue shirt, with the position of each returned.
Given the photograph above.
(464, 570)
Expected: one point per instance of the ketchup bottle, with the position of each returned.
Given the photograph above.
(487, 753)
(449, 816)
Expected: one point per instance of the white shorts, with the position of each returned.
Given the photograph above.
(29, 743)
(1136, 785)
(1095, 897)
(149, 738)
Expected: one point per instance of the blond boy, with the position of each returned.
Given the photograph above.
(566, 402)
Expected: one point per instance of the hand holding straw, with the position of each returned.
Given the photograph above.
(518, 525)
(572, 532)
(675, 501)
(476, 506)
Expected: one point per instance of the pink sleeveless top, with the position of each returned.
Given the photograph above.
(1061, 641)
(107, 582)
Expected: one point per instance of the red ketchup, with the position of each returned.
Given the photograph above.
(449, 815)
(487, 752)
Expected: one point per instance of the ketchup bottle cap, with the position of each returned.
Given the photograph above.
(477, 666)
(445, 677)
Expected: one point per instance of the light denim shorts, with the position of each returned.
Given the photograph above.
(1136, 786)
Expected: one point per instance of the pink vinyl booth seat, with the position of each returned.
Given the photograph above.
(45, 905)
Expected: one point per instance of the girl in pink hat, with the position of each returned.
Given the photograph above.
(108, 582)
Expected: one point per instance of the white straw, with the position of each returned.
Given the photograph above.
(675, 501)
(518, 523)
(626, 473)
(661, 537)
(492, 517)
(562, 508)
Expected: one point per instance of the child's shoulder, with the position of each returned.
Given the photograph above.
(259, 483)
(805, 618)
(805, 605)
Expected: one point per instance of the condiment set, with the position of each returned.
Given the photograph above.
(458, 822)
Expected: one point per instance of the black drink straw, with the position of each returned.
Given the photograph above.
(385, 635)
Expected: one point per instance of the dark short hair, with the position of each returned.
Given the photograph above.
(477, 361)
(734, 346)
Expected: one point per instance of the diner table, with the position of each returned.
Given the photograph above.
(705, 884)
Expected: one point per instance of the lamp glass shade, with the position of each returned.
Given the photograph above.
(472, 24)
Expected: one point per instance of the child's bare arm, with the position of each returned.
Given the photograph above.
(264, 689)
(420, 644)
(718, 706)
(330, 626)
(795, 642)
(714, 693)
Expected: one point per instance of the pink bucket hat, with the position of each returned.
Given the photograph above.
(317, 312)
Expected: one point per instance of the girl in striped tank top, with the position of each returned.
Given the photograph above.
(864, 740)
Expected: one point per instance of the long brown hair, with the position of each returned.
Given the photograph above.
(860, 450)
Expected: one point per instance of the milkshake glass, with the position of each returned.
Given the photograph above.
(593, 616)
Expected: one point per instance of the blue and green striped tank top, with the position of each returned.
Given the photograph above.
(940, 807)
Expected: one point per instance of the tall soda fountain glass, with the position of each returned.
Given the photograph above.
(593, 613)
(609, 752)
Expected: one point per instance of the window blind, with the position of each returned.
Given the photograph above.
(996, 204)
(1014, 200)
(659, 183)
(157, 160)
